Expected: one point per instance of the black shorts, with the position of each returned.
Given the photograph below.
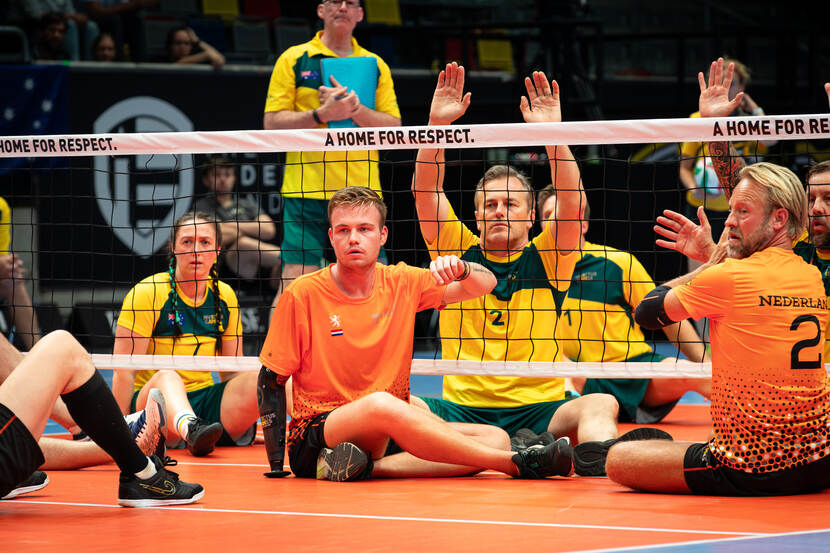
(706, 475)
(303, 456)
(20, 455)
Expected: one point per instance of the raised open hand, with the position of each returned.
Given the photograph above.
(683, 235)
(541, 105)
(449, 101)
(714, 99)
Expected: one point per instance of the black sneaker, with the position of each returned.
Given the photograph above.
(344, 463)
(522, 438)
(541, 461)
(38, 480)
(202, 436)
(525, 438)
(164, 488)
(589, 457)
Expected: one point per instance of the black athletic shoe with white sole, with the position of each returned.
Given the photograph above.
(38, 480)
(344, 463)
(589, 457)
(164, 488)
(541, 461)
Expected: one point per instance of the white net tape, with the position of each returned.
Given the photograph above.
(784, 127)
(779, 127)
(680, 369)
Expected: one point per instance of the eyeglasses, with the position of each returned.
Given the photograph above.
(338, 3)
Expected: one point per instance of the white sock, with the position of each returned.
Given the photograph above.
(183, 419)
(148, 472)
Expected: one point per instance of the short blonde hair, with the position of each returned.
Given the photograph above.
(357, 196)
(783, 190)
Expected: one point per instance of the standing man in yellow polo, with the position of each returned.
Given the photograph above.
(299, 99)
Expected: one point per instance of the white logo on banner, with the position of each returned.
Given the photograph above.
(141, 196)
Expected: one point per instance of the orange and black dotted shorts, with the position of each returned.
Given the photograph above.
(706, 475)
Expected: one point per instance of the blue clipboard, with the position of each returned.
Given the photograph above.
(358, 73)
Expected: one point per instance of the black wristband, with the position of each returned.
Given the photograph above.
(316, 117)
(466, 272)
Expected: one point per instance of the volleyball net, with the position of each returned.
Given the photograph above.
(92, 215)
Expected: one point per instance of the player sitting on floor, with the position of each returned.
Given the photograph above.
(188, 311)
(146, 426)
(517, 321)
(770, 390)
(597, 325)
(345, 335)
(59, 367)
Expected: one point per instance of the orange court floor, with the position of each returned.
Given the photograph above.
(244, 511)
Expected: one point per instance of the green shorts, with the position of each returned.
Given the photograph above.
(207, 404)
(305, 232)
(535, 416)
(630, 393)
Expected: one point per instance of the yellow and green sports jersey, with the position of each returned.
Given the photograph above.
(808, 252)
(297, 76)
(517, 321)
(5, 226)
(597, 315)
(148, 311)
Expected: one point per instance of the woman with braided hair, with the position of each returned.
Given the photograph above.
(188, 311)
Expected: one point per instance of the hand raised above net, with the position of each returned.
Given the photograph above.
(542, 104)
(449, 101)
(714, 99)
(685, 236)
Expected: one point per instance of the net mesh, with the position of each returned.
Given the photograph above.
(91, 215)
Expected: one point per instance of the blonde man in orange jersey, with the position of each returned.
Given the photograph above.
(770, 391)
(345, 334)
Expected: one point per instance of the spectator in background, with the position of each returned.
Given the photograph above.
(120, 18)
(79, 30)
(245, 228)
(103, 47)
(183, 46)
(13, 286)
(299, 99)
(51, 34)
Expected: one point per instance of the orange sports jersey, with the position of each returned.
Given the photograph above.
(339, 349)
(770, 391)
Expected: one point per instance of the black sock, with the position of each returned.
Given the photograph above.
(94, 409)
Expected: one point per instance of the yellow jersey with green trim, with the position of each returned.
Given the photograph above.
(517, 321)
(5, 226)
(149, 311)
(294, 82)
(597, 321)
(805, 249)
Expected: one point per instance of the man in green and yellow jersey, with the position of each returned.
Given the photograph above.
(598, 325)
(518, 320)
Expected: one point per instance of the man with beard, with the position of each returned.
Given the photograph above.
(770, 392)
(696, 241)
